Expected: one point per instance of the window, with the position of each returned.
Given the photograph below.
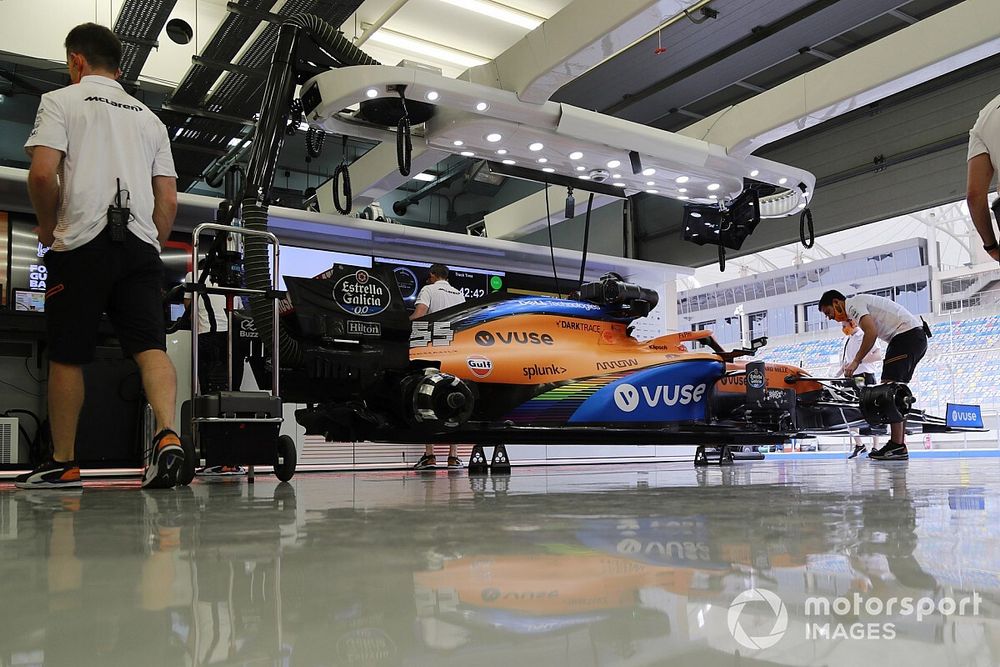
(758, 324)
(729, 330)
(887, 292)
(780, 321)
(814, 319)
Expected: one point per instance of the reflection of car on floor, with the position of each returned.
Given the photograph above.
(512, 369)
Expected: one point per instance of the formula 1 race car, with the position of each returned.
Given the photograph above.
(529, 369)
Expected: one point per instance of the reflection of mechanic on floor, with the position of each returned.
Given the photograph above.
(906, 335)
(889, 530)
(865, 372)
(95, 599)
(437, 295)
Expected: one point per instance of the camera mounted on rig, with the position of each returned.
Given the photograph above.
(629, 299)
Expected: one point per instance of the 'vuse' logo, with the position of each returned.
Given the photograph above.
(628, 397)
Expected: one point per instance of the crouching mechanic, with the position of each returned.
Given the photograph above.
(906, 337)
(103, 186)
(863, 374)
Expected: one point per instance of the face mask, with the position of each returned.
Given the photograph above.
(839, 313)
(848, 328)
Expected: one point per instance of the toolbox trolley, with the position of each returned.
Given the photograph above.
(236, 427)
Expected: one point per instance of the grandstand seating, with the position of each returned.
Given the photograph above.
(962, 363)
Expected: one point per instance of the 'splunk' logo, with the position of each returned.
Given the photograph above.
(777, 608)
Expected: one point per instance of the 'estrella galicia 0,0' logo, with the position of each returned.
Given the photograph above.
(361, 294)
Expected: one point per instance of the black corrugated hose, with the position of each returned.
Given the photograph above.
(257, 254)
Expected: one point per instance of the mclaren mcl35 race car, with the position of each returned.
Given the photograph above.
(529, 369)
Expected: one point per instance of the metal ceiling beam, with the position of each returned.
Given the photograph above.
(952, 39)
(757, 34)
(749, 86)
(816, 53)
(902, 16)
(579, 36)
(229, 67)
(235, 8)
(210, 115)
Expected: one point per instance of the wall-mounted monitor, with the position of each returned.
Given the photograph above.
(474, 283)
(26, 260)
(26, 300)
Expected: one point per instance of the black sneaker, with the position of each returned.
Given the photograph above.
(167, 461)
(426, 461)
(891, 452)
(454, 462)
(51, 475)
(858, 449)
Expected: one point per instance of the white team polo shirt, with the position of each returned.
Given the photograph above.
(439, 295)
(218, 302)
(851, 346)
(984, 137)
(104, 134)
(890, 318)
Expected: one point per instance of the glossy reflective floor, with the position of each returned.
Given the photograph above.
(596, 565)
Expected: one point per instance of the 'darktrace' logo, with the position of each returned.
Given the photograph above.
(777, 607)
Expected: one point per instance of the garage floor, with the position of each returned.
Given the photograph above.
(586, 565)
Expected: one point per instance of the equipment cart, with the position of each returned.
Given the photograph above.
(236, 427)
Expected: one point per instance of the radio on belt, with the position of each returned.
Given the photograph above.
(118, 215)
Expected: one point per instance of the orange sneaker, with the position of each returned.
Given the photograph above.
(167, 461)
(51, 475)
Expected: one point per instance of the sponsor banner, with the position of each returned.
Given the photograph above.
(488, 338)
(362, 294)
(356, 328)
(774, 377)
(755, 378)
(537, 371)
(579, 325)
(534, 306)
(964, 416)
(480, 366)
(669, 393)
(247, 328)
(617, 364)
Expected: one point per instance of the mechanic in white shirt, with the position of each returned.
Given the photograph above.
(94, 146)
(984, 162)
(906, 337)
(865, 372)
(437, 295)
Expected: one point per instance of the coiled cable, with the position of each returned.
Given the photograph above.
(806, 220)
(342, 179)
